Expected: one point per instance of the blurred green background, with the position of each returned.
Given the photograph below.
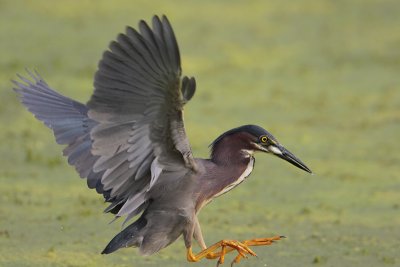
(322, 76)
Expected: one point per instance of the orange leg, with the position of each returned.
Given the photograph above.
(224, 245)
(257, 242)
(230, 245)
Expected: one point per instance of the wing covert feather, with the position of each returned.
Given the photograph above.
(138, 104)
(130, 138)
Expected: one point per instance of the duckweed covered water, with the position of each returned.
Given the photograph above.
(322, 76)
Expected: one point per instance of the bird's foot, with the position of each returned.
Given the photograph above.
(226, 247)
(242, 248)
(257, 242)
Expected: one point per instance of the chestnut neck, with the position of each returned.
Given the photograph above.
(232, 150)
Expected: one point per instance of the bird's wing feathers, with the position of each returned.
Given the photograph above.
(138, 103)
(131, 132)
(69, 121)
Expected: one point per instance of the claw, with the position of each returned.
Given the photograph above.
(236, 260)
(242, 248)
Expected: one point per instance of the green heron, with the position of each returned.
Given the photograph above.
(129, 142)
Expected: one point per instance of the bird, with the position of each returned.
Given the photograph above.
(130, 143)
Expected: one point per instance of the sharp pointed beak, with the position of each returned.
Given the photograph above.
(285, 154)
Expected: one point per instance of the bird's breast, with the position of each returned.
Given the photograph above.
(239, 180)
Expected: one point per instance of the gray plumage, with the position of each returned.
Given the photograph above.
(129, 140)
(123, 140)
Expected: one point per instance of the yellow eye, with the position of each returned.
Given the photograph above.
(264, 139)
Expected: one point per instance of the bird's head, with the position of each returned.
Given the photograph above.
(252, 138)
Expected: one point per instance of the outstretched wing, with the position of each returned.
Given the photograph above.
(138, 105)
(69, 121)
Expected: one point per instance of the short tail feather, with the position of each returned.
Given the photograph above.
(127, 238)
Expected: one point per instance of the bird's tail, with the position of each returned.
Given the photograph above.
(129, 237)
